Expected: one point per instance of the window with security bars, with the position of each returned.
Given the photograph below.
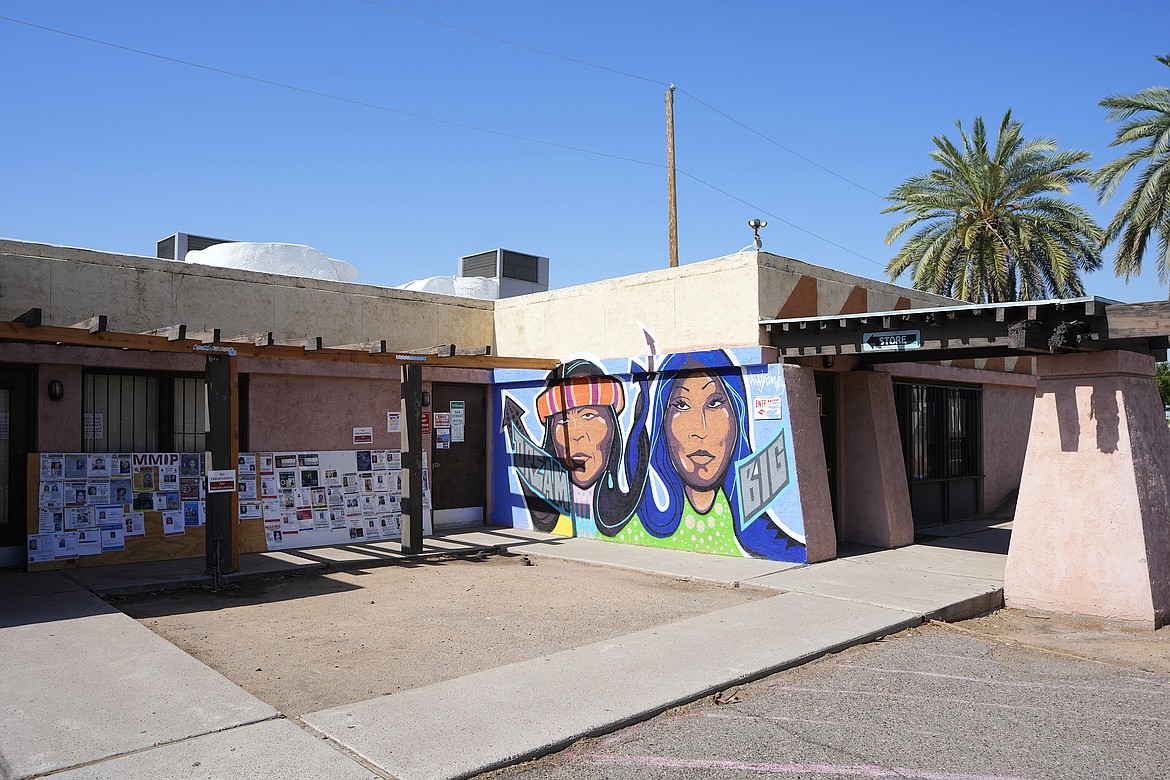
(941, 429)
(143, 413)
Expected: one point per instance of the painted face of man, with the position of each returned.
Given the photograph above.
(700, 430)
(582, 437)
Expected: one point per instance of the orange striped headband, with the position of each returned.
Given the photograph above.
(581, 391)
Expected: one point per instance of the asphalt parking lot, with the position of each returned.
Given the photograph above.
(934, 703)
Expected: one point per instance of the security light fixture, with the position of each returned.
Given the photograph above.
(755, 225)
(426, 398)
(56, 390)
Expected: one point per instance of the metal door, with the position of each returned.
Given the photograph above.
(17, 434)
(458, 454)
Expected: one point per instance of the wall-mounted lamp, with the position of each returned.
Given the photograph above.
(828, 360)
(56, 390)
(426, 398)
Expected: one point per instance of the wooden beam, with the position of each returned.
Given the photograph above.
(373, 347)
(309, 344)
(468, 351)
(1138, 320)
(170, 333)
(76, 337)
(32, 318)
(261, 339)
(95, 324)
(440, 350)
(206, 336)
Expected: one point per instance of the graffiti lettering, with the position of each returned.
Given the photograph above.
(541, 472)
(762, 477)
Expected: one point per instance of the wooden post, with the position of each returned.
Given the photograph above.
(223, 442)
(670, 199)
(412, 499)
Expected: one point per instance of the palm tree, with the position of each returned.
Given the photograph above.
(988, 228)
(1145, 120)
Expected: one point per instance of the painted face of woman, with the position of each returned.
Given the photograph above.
(582, 437)
(700, 432)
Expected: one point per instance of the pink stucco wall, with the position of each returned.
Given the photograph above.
(294, 404)
(873, 500)
(1092, 527)
(1007, 416)
(809, 450)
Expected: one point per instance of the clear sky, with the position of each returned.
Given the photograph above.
(110, 149)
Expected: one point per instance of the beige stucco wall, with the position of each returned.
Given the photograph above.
(140, 293)
(835, 292)
(716, 302)
(692, 306)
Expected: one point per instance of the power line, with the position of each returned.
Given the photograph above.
(411, 114)
(328, 95)
(793, 152)
(627, 74)
(781, 219)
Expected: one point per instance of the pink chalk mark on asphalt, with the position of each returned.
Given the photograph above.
(772, 768)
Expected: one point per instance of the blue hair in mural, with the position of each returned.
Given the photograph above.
(699, 431)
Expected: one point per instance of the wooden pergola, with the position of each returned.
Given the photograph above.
(978, 331)
(222, 377)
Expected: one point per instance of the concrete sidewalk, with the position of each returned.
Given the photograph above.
(101, 696)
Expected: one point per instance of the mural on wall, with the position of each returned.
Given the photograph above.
(692, 453)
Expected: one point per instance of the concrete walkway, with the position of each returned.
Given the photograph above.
(90, 691)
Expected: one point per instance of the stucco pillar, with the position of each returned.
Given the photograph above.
(1092, 526)
(873, 497)
(808, 451)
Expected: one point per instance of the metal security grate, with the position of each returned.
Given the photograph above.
(143, 413)
(941, 430)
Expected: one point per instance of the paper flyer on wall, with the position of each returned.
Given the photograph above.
(113, 537)
(172, 523)
(247, 489)
(108, 515)
(246, 464)
(40, 548)
(120, 465)
(393, 422)
(120, 491)
(284, 460)
(192, 513)
(51, 521)
(135, 524)
(78, 517)
(97, 492)
(65, 545)
(98, 466)
(89, 541)
(76, 466)
(189, 466)
(168, 478)
(52, 466)
(51, 495)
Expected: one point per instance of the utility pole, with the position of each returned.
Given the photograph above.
(670, 199)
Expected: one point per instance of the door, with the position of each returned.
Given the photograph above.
(826, 386)
(17, 434)
(458, 454)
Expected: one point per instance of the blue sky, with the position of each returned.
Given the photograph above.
(109, 149)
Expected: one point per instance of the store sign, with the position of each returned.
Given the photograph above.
(893, 341)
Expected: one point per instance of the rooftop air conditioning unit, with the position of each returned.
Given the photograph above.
(515, 273)
(176, 247)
